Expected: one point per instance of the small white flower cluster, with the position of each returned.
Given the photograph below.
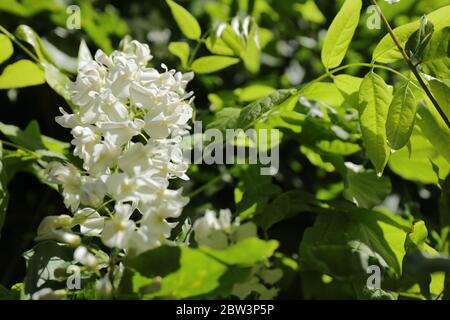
(127, 130)
(219, 232)
(241, 27)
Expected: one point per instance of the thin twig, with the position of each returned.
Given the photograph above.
(411, 65)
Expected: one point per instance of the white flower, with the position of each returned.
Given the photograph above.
(84, 140)
(83, 256)
(68, 120)
(138, 51)
(119, 229)
(143, 188)
(127, 130)
(57, 228)
(220, 29)
(220, 232)
(120, 133)
(153, 230)
(104, 155)
(207, 231)
(51, 223)
(76, 188)
(104, 287)
(90, 221)
(392, 1)
(69, 177)
(92, 191)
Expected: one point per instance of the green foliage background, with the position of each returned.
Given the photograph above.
(330, 221)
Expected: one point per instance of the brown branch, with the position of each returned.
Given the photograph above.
(411, 66)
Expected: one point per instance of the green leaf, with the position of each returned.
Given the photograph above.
(4, 195)
(441, 92)
(434, 129)
(240, 255)
(405, 163)
(374, 100)
(338, 147)
(417, 236)
(347, 84)
(255, 110)
(218, 46)
(28, 8)
(6, 294)
(232, 40)
(6, 48)
(325, 92)
(436, 57)
(30, 138)
(181, 51)
(310, 11)
(316, 159)
(252, 54)
(419, 40)
(349, 88)
(253, 92)
(401, 116)
(285, 206)
(340, 34)
(58, 81)
(225, 119)
(27, 34)
(188, 273)
(212, 64)
(23, 73)
(185, 21)
(365, 189)
(37, 150)
(42, 261)
(343, 243)
(254, 192)
(387, 52)
(444, 204)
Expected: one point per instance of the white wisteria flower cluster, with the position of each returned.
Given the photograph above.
(127, 129)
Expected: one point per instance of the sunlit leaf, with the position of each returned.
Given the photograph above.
(6, 48)
(181, 51)
(23, 73)
(401, 116)
(340, 34)
(185, 21)
(212, 64)
(374, 100)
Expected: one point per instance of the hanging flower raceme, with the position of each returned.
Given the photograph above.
(127, 130)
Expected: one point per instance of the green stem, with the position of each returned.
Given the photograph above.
(209, 184)
(352, 65)
(411, 66)
(13, 145)
(17, 42)
(197, 47)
